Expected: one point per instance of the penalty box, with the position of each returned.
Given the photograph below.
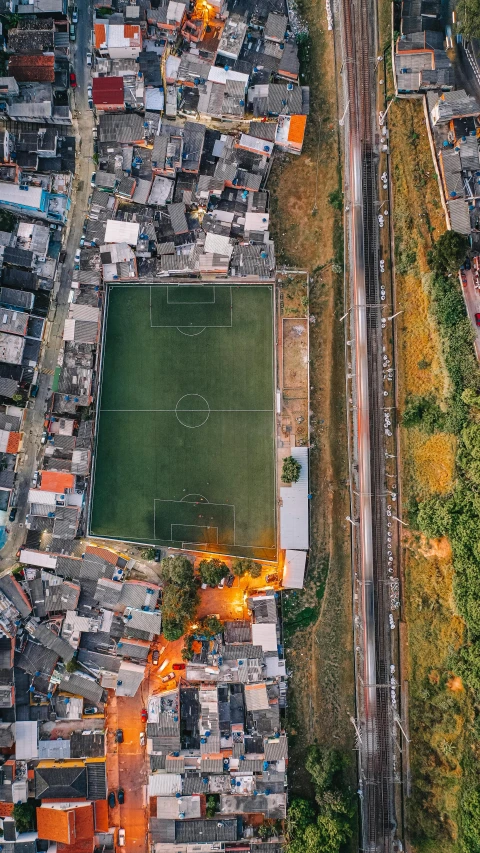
(194, 521)
(197, 306)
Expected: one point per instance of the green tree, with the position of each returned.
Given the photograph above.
(212, 571)
(471, 397)
(210, 626)
(424, 413)
(24, 816)
(290, 470)
(147, 553)
(468, 23)
(178, 609)
(177, 570)
(470, 822)
(239, 568)
(448, 252)
(212, 805)
(255, 569)
(300, 815)
(71, 666)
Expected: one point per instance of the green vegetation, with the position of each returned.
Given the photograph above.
(180, 596)
(147, 553)
(468, 20)
(206, 628)
(290, 470)
(448, 253)
(244, 566)
(24, 815)
(185, 443)
(323, 827)
(212, 571)
(213, 801)
(455, 515)
(7, 220)
(71, 666)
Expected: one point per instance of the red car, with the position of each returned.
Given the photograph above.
(178, 666)
(464, 279)
(144, 715)
(73, 79)
(477, 319)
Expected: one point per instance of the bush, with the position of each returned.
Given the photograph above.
(209, 626)
(179, 606)
(424, 413)
(177, 570)
(290, 470)
(239, 568)
(212, 805)
(448, 252)
(71, 666)
(212, 571)
(24, 816)
(147, 553)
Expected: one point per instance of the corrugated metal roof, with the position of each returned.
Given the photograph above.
(295, 562)
(164, 784)
(294, 508)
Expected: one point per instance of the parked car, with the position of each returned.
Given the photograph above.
(178, 666)
(92, 709)
(34, 390)
(111, 799)
(93, 179)
(155, 657)
(119, 736)
(44, 437)
(89, 58)
(13, 514)
(230, 580)
(36, 475)
(89, 91)
(468, 264)
(72, 33)
(73, 80)
(121, 837)
(158, 555)
(144, 715)
(75, 15)
(477, 319)
(76, 259)
(142, 738)
(90, 104)
(166, 661)
(168, 677)
(121, 796)
(464, 279)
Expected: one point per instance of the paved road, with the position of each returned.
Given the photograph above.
(472, 301)
(126, 768)
(32, 450)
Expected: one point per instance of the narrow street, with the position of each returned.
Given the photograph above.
(126, 768)
(34, 420)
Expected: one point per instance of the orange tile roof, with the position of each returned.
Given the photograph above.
(6, 809)
(131, 31)
(296, 131)
(84, 821)
(81, 846)
(56, 824)
(57, 481)
(101, 815)
(106, 555)
(13, 442)
(100, 35)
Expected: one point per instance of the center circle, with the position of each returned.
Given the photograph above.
(192, 410)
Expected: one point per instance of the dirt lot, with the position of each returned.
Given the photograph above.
(308, 235)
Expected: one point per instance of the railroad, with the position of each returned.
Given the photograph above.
(371, 528)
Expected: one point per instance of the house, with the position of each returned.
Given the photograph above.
(232, 37)
(32, 68)
(290, 133)
(107, 93)
(454, 105)
(118, 41)
(66, 823)
(61, 781)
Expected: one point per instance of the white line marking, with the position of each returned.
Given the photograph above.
(236, 411)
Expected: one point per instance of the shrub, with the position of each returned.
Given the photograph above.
(448, 252)
(212, 571)
(290, 470)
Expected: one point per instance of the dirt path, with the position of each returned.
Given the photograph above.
(308, 235)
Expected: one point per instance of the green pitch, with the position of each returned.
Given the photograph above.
(185, 446)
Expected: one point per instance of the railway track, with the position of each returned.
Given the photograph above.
(376, 747)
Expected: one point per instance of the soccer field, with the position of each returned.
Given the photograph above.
(185, 444)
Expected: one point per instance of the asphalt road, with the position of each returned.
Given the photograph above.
(32, 450)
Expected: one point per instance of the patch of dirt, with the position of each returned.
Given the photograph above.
(455, 684)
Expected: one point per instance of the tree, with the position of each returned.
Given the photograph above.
(71, 666)
(238, 568)
(177, 570)
(300, 814)
(468, 19)
(255, 569)
(212, 571)
(24, 816)
(179, 605)
(147, 553)
(290, 470)
(471, 821)
(210, 626)
(448, 252)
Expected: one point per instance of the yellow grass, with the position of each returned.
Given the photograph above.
(434, 460)
(422, 364)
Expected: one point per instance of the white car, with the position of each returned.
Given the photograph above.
(164, 665)
(142, 738)
(121, 837)
(89, 91)
(89, 58)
